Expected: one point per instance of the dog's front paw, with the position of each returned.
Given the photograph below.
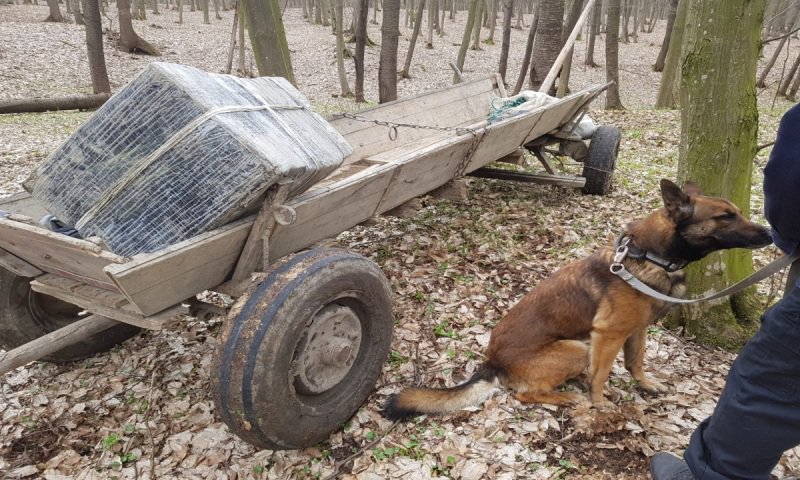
(651, 386)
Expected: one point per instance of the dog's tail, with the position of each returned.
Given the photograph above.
(418, 401)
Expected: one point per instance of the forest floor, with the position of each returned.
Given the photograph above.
(143, 410)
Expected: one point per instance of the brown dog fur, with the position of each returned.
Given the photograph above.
(583, 315)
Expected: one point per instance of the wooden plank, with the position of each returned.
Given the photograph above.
(54, 341)
(23, 203)
(158, 280)
(332, 211)
(254, 257)
(103, 303)
(56, 253)
(18, 266)
(570, 181)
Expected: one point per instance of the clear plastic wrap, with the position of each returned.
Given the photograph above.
(178, 152)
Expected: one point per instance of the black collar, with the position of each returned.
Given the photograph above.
(637, 253)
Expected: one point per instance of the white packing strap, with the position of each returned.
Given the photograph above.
(131, 175)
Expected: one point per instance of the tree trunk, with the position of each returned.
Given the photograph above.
(155, 8)
(462, 50)
(324, 6)
(55, 12)
(431, 13)
(229, 63)
(340, 47)
(94, 46)
(762, 79)
(387, 68)
(594, 30)
(792, 95)
(76, 12)
(476, 27)
(508, 8)
(662, 54)
(242, 46)
(492, 23)
(268, 39)
(128, 39)
(548, 40)
(719, 126)
(406, 73)
(612, 55)
(180, 12)
(216, 10)
(206, 17)
(670, 78)
(625, 13)
(784, 86)
(72, 102)
(572, 18)
(361, 43)
(526, 59)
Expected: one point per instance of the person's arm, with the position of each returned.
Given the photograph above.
(782, 183)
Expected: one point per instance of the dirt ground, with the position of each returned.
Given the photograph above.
(144, 410)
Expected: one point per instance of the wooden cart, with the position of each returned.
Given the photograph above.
(304, 344)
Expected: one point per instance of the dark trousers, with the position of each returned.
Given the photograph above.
(757, 417)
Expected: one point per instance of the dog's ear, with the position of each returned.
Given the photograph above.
(691, 188)
(678, 204)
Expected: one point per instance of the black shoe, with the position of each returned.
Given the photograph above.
(666, 466)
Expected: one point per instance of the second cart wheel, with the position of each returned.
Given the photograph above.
(299, 356)
(26, 315)
(598, 166)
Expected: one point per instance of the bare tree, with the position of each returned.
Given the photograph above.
(340, 48)
(670, 78)
(662, 54)
(268, 38)
(462, 50)
(128, 39)
(432, 13)
(526, 58)
(548, 40)
(508, 8)
(406, 73)
(387, 68)
(55, 12)
(612, 54)
(361, 43)
(476, 27)
(94, 47)
(492, 23)
(572, 18)
(594, 30)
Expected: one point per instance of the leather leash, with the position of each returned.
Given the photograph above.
(617, 268)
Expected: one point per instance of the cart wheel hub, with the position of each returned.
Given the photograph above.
(328, 350)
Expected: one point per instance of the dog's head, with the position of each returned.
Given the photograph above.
(706, 224)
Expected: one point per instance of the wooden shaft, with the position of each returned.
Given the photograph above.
(562, 56)
(72, 102)
(53, 342)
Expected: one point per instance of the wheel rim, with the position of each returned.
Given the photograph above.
(328, 350)
(48, 311)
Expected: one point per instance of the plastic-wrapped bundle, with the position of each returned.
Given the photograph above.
(178, 152)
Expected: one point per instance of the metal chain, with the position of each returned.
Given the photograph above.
(393, 126)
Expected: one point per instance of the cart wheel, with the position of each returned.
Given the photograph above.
(598, 167)
(300, 355)
(26, 315)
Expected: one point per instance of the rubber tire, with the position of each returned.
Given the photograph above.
(26, 315)
(251, 375)
(598, 167)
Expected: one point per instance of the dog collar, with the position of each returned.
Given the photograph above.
(625, 248)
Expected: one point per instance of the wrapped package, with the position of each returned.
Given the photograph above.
(178, 152)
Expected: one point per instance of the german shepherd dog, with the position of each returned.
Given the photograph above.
(583, 315)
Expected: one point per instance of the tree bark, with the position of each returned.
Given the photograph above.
(572, 18)
(340, 48)
(73, 102)
(548, 40)
(597, 12)
(784, 86)
(476, 27)
(406, 73)
(206, 17)
(612, 55)
(431, 13)
(232, 44)
(719, 126)
(462, 50)
(508, 8)
(268, 39)
(242, 46)
(94, 46)
(387, 68)
(361, 43)
(492, 23)
(662, 54)
(526, 59)
(670, 78)
(55, 12)
(128, 39)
